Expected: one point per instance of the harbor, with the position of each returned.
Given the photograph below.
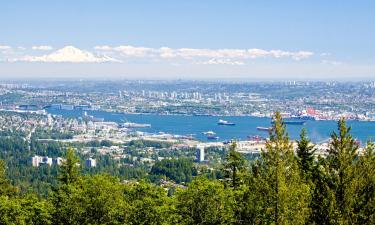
(245, 126)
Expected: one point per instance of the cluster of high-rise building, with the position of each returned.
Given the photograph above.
(37, 161)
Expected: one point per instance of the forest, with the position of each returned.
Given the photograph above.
(280, 187)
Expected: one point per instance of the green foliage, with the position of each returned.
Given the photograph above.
(234, 168)
(179, 170)
(323, 199)
(279, 188)
(363, 186)
(281, 195)
(341, 160)
(69, 168)
(90, 200)
(149, 143)
(6, 189)
(305, 154)
(204, 202)
(148, 204)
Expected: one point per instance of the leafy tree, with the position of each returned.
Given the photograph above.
(148, 204)
(103, 200)
(282, 196)
(234, 167)
(204, 202)
(68, 202)
(245, 205)
(179, 170)
(24, 211)
(37, 212)
(305, 154)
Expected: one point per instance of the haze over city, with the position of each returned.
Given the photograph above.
(204, 40)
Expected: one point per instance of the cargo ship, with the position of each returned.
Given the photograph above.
(224, 122)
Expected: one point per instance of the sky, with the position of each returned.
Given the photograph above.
(195, 39)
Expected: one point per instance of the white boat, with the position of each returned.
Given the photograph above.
(224, 122)
(209, 133)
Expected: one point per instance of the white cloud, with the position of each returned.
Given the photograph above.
(128, 53)
(127, 50)
(5, 47)
(222, 62)
(194, 53)
(42, 47)
(69, 54)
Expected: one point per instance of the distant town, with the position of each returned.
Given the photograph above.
(307, 100)
(24, 110)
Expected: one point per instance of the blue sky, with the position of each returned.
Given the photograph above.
(188, 39)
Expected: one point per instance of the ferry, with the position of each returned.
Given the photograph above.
(224, 122)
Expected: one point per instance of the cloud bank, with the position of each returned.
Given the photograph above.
(128, 54)
(192, 53)
(68, 54)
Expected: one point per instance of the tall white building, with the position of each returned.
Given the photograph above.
(200, 153)
(38, 160)
(35, 160)
(90, 162)
(57, 161)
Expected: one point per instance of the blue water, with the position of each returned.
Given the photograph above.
(245, 126)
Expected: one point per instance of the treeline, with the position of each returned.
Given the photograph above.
(142, 143)
(281, 187)
(179, 170)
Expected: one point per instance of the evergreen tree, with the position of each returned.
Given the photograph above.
(67, 197)
(323, 202)
(282, 196)
(364, 187)
(69, 169)
(341, 158)
(234, 167)
(5, 186)
(305, 154)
